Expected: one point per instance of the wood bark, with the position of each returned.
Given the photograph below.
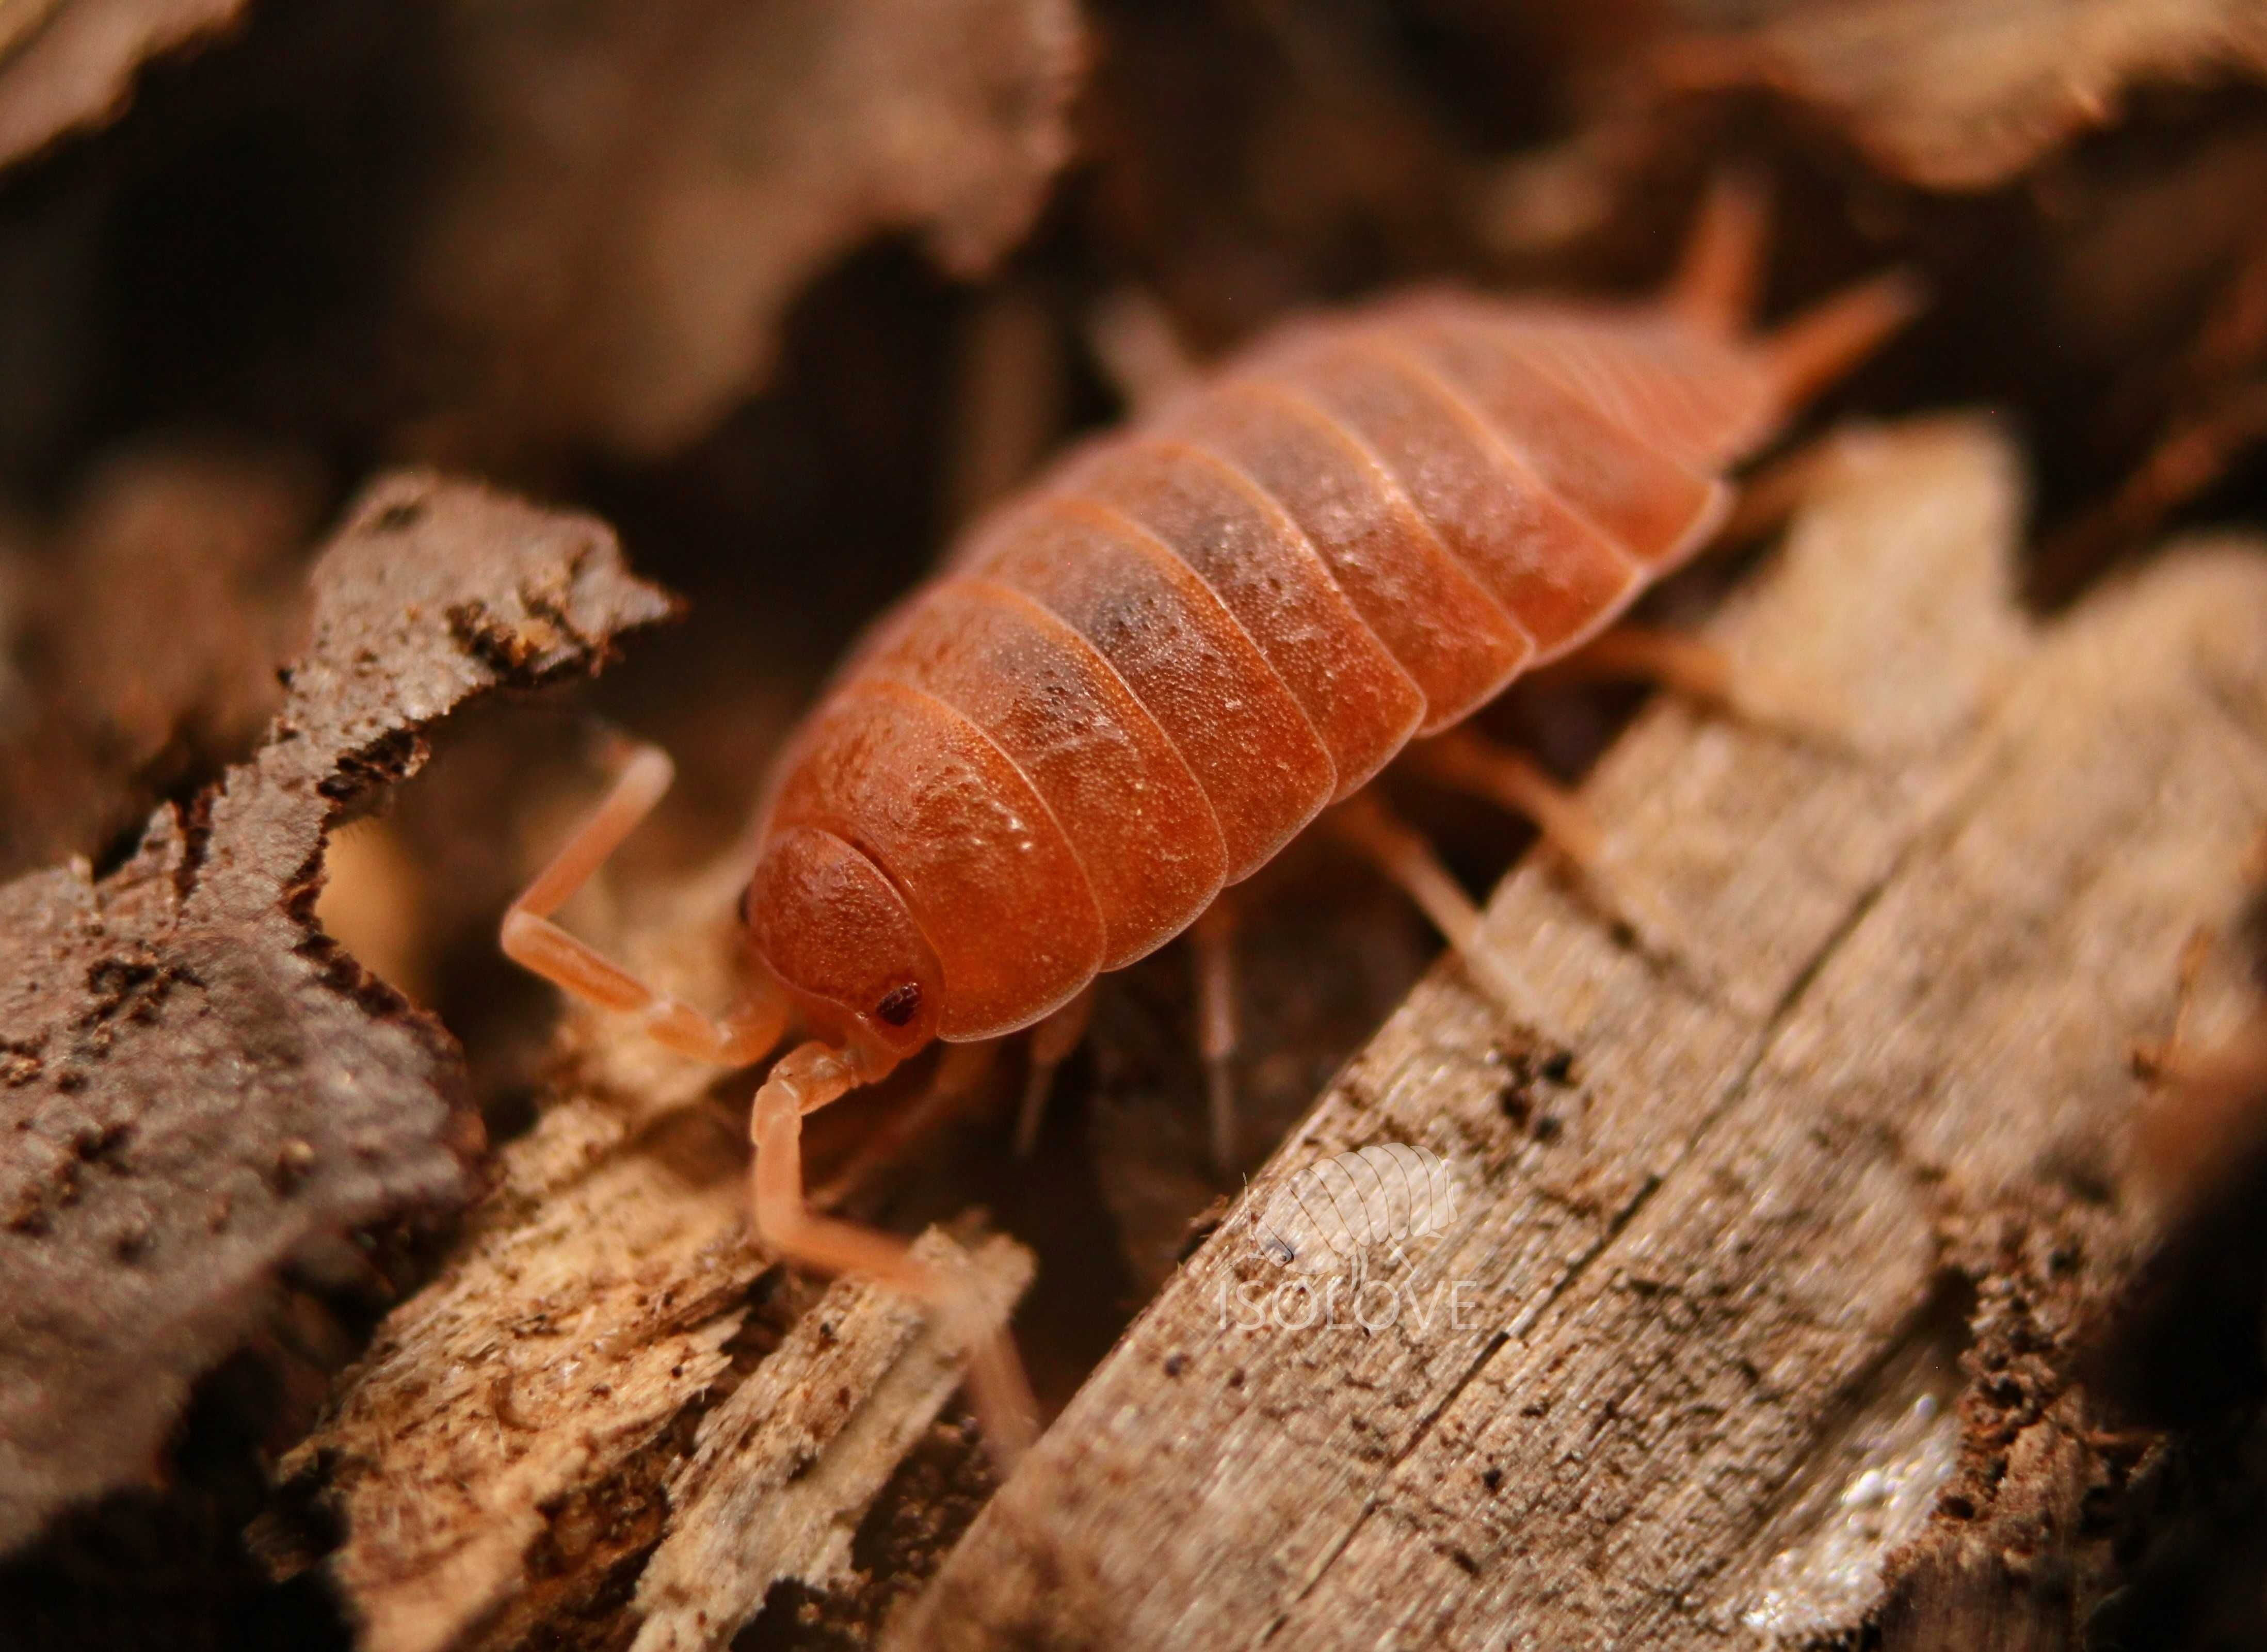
(201, 1093)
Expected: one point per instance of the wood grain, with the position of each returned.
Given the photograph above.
(610, 1397)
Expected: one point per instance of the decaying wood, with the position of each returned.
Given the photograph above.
(522, 1395)
(785, 1467)
(198, 1088)
(1676, 1375)
(610, 1397)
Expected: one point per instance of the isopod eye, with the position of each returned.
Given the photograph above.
(900, 1004)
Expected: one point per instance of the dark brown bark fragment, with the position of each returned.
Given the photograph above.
(199, 1084)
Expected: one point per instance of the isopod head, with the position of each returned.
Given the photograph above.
(825, 923)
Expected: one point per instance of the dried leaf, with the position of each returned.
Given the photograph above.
(65, 65)
(1953, 95)
(650, 185)
(199, 1084)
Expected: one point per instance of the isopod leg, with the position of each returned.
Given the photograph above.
(803, 1080)
(1470, 762)
(1141, 353)
(1702, 672)
(960, 1068)
(1467, 761)
(532, 940)
(1771, 493)
(1669, 659)
(1713, 291)
(1213, 945)
(1400, 851)
(1052, 1040)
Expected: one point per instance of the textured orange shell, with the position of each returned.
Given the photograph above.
(1135, 683)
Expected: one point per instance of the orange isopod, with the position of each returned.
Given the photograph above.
(1135, 684)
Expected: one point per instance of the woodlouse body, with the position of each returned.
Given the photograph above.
(1135, 684)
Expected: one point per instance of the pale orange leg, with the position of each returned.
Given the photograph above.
(1468, 761)
(1052, 1040)
(1673, 660)
(1141, 353)
(960, 1068)
(1702, 672)
(1770, 494)
(530, 938)
(1213, 944)
(803, 1080)
(1400, 851)
(1715, 291)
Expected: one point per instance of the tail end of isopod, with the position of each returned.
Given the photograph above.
(1806, 355)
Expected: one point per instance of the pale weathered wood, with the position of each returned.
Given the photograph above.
(572, 1397)
(587, 1309)
(785, 1466)
(1696, 1284)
